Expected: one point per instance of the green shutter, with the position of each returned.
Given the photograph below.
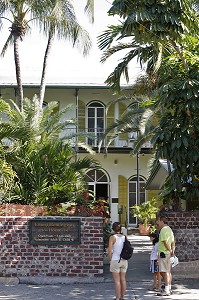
(122, 109)
(81, 119)
(123, 197)
(110, 118)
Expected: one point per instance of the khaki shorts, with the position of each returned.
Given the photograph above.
(165, 264)
(118, 267)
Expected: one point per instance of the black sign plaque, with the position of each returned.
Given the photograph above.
(54, 232)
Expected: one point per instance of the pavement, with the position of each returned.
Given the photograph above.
(139, 280)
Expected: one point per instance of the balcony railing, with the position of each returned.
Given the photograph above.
(92, 137)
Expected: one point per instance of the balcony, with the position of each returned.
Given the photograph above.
(92, 137)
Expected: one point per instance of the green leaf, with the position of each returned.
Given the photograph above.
(178, 143)
(185, 141)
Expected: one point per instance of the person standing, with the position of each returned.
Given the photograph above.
(166, 249)
(118, 267)
(154, 237)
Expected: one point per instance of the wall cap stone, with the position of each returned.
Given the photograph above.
(9, 280)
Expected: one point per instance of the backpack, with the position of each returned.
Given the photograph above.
(127, 250)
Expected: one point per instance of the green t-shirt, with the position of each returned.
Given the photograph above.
(166, 234)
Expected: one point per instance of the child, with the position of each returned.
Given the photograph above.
(154, 237)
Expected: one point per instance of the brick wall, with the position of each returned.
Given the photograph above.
(20, 259)
(186, 229)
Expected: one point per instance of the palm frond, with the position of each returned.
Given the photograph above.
(108, 36)
(89, 10)
(126, 99)
(61, 19)
(115, 49)
(85, 164)
(8, 43)
(140, 141)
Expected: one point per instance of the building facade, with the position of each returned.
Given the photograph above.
(122, 176)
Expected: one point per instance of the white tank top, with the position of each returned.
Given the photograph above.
(117, 247)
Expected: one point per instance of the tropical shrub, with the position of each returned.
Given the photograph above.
(41, 155)
(146, 211)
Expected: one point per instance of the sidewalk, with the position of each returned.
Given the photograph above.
(139, 279)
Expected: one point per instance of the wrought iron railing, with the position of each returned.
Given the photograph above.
(92, 137)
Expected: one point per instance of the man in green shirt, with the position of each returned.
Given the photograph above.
(166, 248)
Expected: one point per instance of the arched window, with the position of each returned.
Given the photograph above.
(95, 122)
(133, 198)
(98, 183)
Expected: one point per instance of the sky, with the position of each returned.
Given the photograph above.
(66, 64)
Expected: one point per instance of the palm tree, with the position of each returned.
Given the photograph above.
(41, 155)
(54, 17)
(61, 21)
(19, 12)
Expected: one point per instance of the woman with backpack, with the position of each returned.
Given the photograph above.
(118, 266)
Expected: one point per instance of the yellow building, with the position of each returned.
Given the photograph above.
(122, 176)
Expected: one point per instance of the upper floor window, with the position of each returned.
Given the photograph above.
(95, 121)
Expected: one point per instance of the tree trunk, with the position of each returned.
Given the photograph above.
(45, 63)
(18, 72)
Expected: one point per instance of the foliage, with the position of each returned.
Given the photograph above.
(163, 37)
(147, 38)
(107, 232)
(89, 207)
(177, 136)
(7, 176)
(47, 171)
(145, 212)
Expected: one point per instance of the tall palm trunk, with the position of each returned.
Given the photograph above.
(18, 71)
(45, 64)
